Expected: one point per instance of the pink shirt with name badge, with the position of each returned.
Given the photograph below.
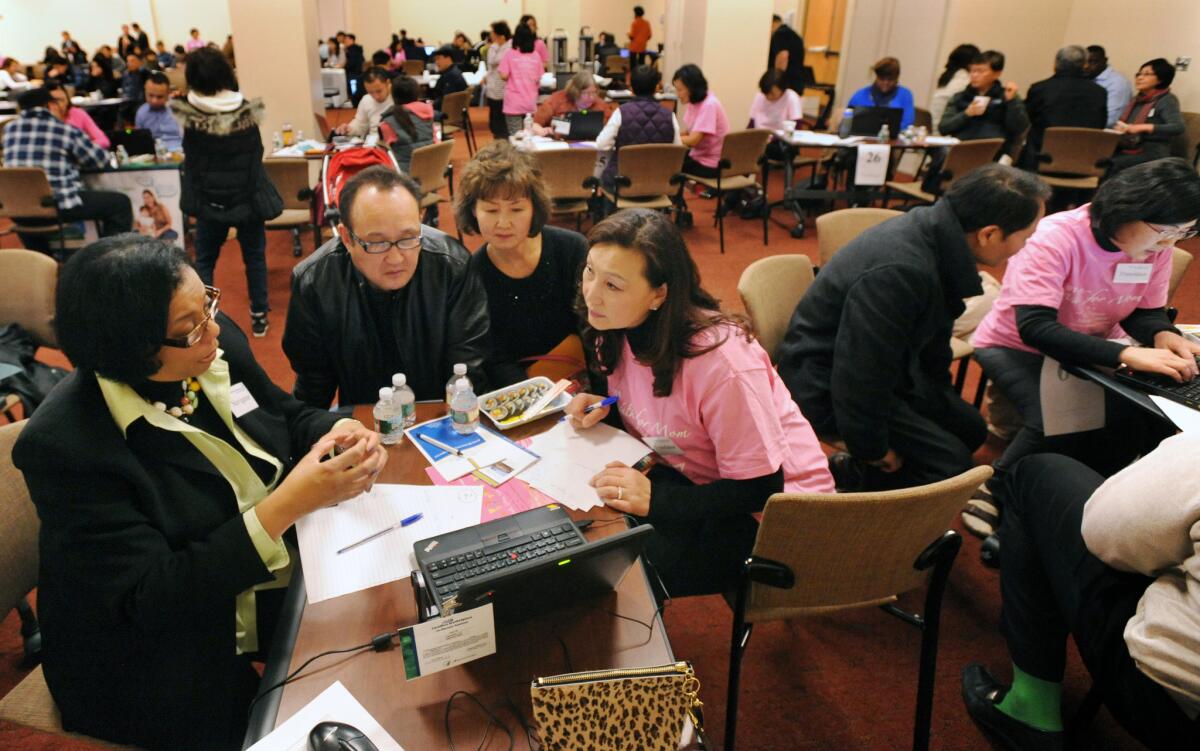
(707, 117)
(1062, 266)
(729, 415)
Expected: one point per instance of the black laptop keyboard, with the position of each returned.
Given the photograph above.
(1184, 393)
(449, 574)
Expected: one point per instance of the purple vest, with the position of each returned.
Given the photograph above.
(643, 120)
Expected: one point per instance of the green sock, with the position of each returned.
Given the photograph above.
(1033, 701)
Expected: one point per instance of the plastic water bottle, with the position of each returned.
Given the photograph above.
(388, 422)
(847, 120)
(122, 155)
(885, 134)
(277, 141)
(299, 136)
(460, 371)
(464, 408)
(405, 400)
(528, 127)
(160, 150)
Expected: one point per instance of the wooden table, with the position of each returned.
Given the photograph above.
(585, 637)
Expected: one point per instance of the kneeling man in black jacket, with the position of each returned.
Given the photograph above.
(867, 352)
(387, 295)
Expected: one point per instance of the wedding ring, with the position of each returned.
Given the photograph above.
(620, 492)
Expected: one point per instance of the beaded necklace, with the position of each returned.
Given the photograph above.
(188, 402)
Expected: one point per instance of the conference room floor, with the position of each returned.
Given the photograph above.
(844, 681)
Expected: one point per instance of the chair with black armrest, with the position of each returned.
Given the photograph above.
(961, 158)
(742, 155)
(25, 195)
(648, 174)
(569, 180)
(290, 177)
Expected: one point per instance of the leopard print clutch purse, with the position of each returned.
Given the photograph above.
(606, 710)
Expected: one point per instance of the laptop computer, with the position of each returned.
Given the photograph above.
(1187, 394)
(868, 120)
(135, 140)
(524, 564)
(585, 125)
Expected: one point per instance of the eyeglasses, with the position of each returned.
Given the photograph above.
(383, 246)
(1169, 233)
(212, 297)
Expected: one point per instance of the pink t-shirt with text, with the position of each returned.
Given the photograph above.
(729, 414)
(707, 117)
(524, 71)
(770, 115)
(1062, 266)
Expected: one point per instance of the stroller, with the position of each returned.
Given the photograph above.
(337, 168)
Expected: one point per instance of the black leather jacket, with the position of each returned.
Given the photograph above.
(332, 339)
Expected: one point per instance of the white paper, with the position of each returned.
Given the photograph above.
(570, 458)
(1069, 404)
(872, 165)
(1184, 417)
(1133, 273)
(334, 704)
(322, 533)
(809, 138)
(941, 140)
(442, 643)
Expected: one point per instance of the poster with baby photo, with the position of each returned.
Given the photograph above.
(154, 193)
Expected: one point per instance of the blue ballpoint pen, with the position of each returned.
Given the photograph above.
(606, 402)
(403, 523)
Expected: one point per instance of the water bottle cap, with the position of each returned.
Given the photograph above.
(461, 385)
(460, 368)
(399, 380)
(385, 393)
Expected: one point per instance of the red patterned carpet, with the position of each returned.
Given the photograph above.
(837, 682)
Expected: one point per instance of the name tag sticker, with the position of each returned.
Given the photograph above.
(240, 400)
(561, 126)
(662, 445)
(1133, 273)
(444, 642)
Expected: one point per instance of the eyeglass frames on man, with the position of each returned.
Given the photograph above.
(383, 246)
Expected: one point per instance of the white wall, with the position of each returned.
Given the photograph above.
(1163, 28)
(436, 20)
(28, 26)
(899, 28)
(331, 17)
(737, 41)
(176, 19)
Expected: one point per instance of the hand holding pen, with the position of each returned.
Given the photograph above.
(585, 410)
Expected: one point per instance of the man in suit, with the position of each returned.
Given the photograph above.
(1067, 99)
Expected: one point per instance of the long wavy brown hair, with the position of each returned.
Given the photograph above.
(687, 312)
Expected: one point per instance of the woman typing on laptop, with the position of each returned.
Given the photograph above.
(694, 386)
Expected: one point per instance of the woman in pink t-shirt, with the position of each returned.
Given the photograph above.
(694, 386)
(521, 70)
(1085, 277)
(704, 122)
(773, 106)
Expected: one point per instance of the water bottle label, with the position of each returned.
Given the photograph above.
(465, 416)
(408, 411)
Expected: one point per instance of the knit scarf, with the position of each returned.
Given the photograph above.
(1136, 113)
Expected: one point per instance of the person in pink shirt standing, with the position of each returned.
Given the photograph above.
(76, 116)
(1088, 276)
(521, 70)
(694, 385)
(195, 42)
(539, 46)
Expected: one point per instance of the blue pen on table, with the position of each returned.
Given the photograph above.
(403, 523)
(606, 402)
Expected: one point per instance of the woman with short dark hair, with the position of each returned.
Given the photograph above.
(1088, 276)
(1152, 120)
(694, 385)
(704, 122)
(529, 269)
(223, 179)
(165, 470)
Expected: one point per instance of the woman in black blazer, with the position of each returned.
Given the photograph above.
(165, 472)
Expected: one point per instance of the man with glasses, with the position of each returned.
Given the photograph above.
(387, 295)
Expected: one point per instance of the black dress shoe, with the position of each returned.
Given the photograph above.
(981, 693)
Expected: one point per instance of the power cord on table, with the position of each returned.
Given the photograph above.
(378, 643)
